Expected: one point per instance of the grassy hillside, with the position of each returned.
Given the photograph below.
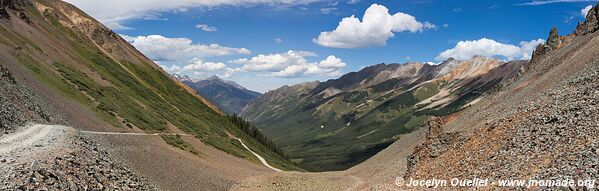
(83, 60)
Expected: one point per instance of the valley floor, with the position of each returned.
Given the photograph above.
(376, 173)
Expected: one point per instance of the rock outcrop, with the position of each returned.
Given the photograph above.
(435, 127)
(437, 142)
(591, 23)
(16, 5)
(553, 42)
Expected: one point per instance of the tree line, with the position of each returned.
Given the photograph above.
(255, 133)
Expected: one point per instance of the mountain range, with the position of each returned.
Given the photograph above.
(229, 96)
(540, 124)
(336, 124)
(82, 109)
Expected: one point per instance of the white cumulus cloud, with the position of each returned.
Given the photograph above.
(291, 64)
(490, 48)
(586, 10)
(332, 62)
(204, 66)
(196, 66)
(206, 28)
(160, 48)
(375, 28)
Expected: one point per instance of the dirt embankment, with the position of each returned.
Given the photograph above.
(19, 105)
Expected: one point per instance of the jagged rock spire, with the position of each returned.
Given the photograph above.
(591, 23)
(553, 42)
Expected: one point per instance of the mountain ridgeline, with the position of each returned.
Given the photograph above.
(97, 80)
(336, 124)
(229, 96)
(539, 122)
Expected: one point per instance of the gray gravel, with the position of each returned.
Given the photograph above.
(45, 157)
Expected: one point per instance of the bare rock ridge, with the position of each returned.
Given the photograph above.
(555, 41)
(591, 23)
(435, 127)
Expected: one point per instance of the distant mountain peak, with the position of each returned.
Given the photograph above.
(215, 78)
(227, 95)
(183, 78)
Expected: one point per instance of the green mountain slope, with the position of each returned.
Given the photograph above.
(336, 124)
(73, 54)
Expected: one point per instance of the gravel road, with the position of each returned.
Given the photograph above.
(53, 157)
(32, 142)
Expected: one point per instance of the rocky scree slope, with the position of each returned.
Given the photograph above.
(99, 77)
(339, 123)
(543, 126)
(45, 157)
(19, 105)
(50, 157)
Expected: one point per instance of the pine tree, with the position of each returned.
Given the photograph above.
(255, 133)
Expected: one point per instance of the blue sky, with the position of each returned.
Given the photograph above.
(264, 44)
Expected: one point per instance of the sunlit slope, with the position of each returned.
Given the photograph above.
(77, 56)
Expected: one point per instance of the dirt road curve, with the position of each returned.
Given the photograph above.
(259, 157)
(157, 134)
